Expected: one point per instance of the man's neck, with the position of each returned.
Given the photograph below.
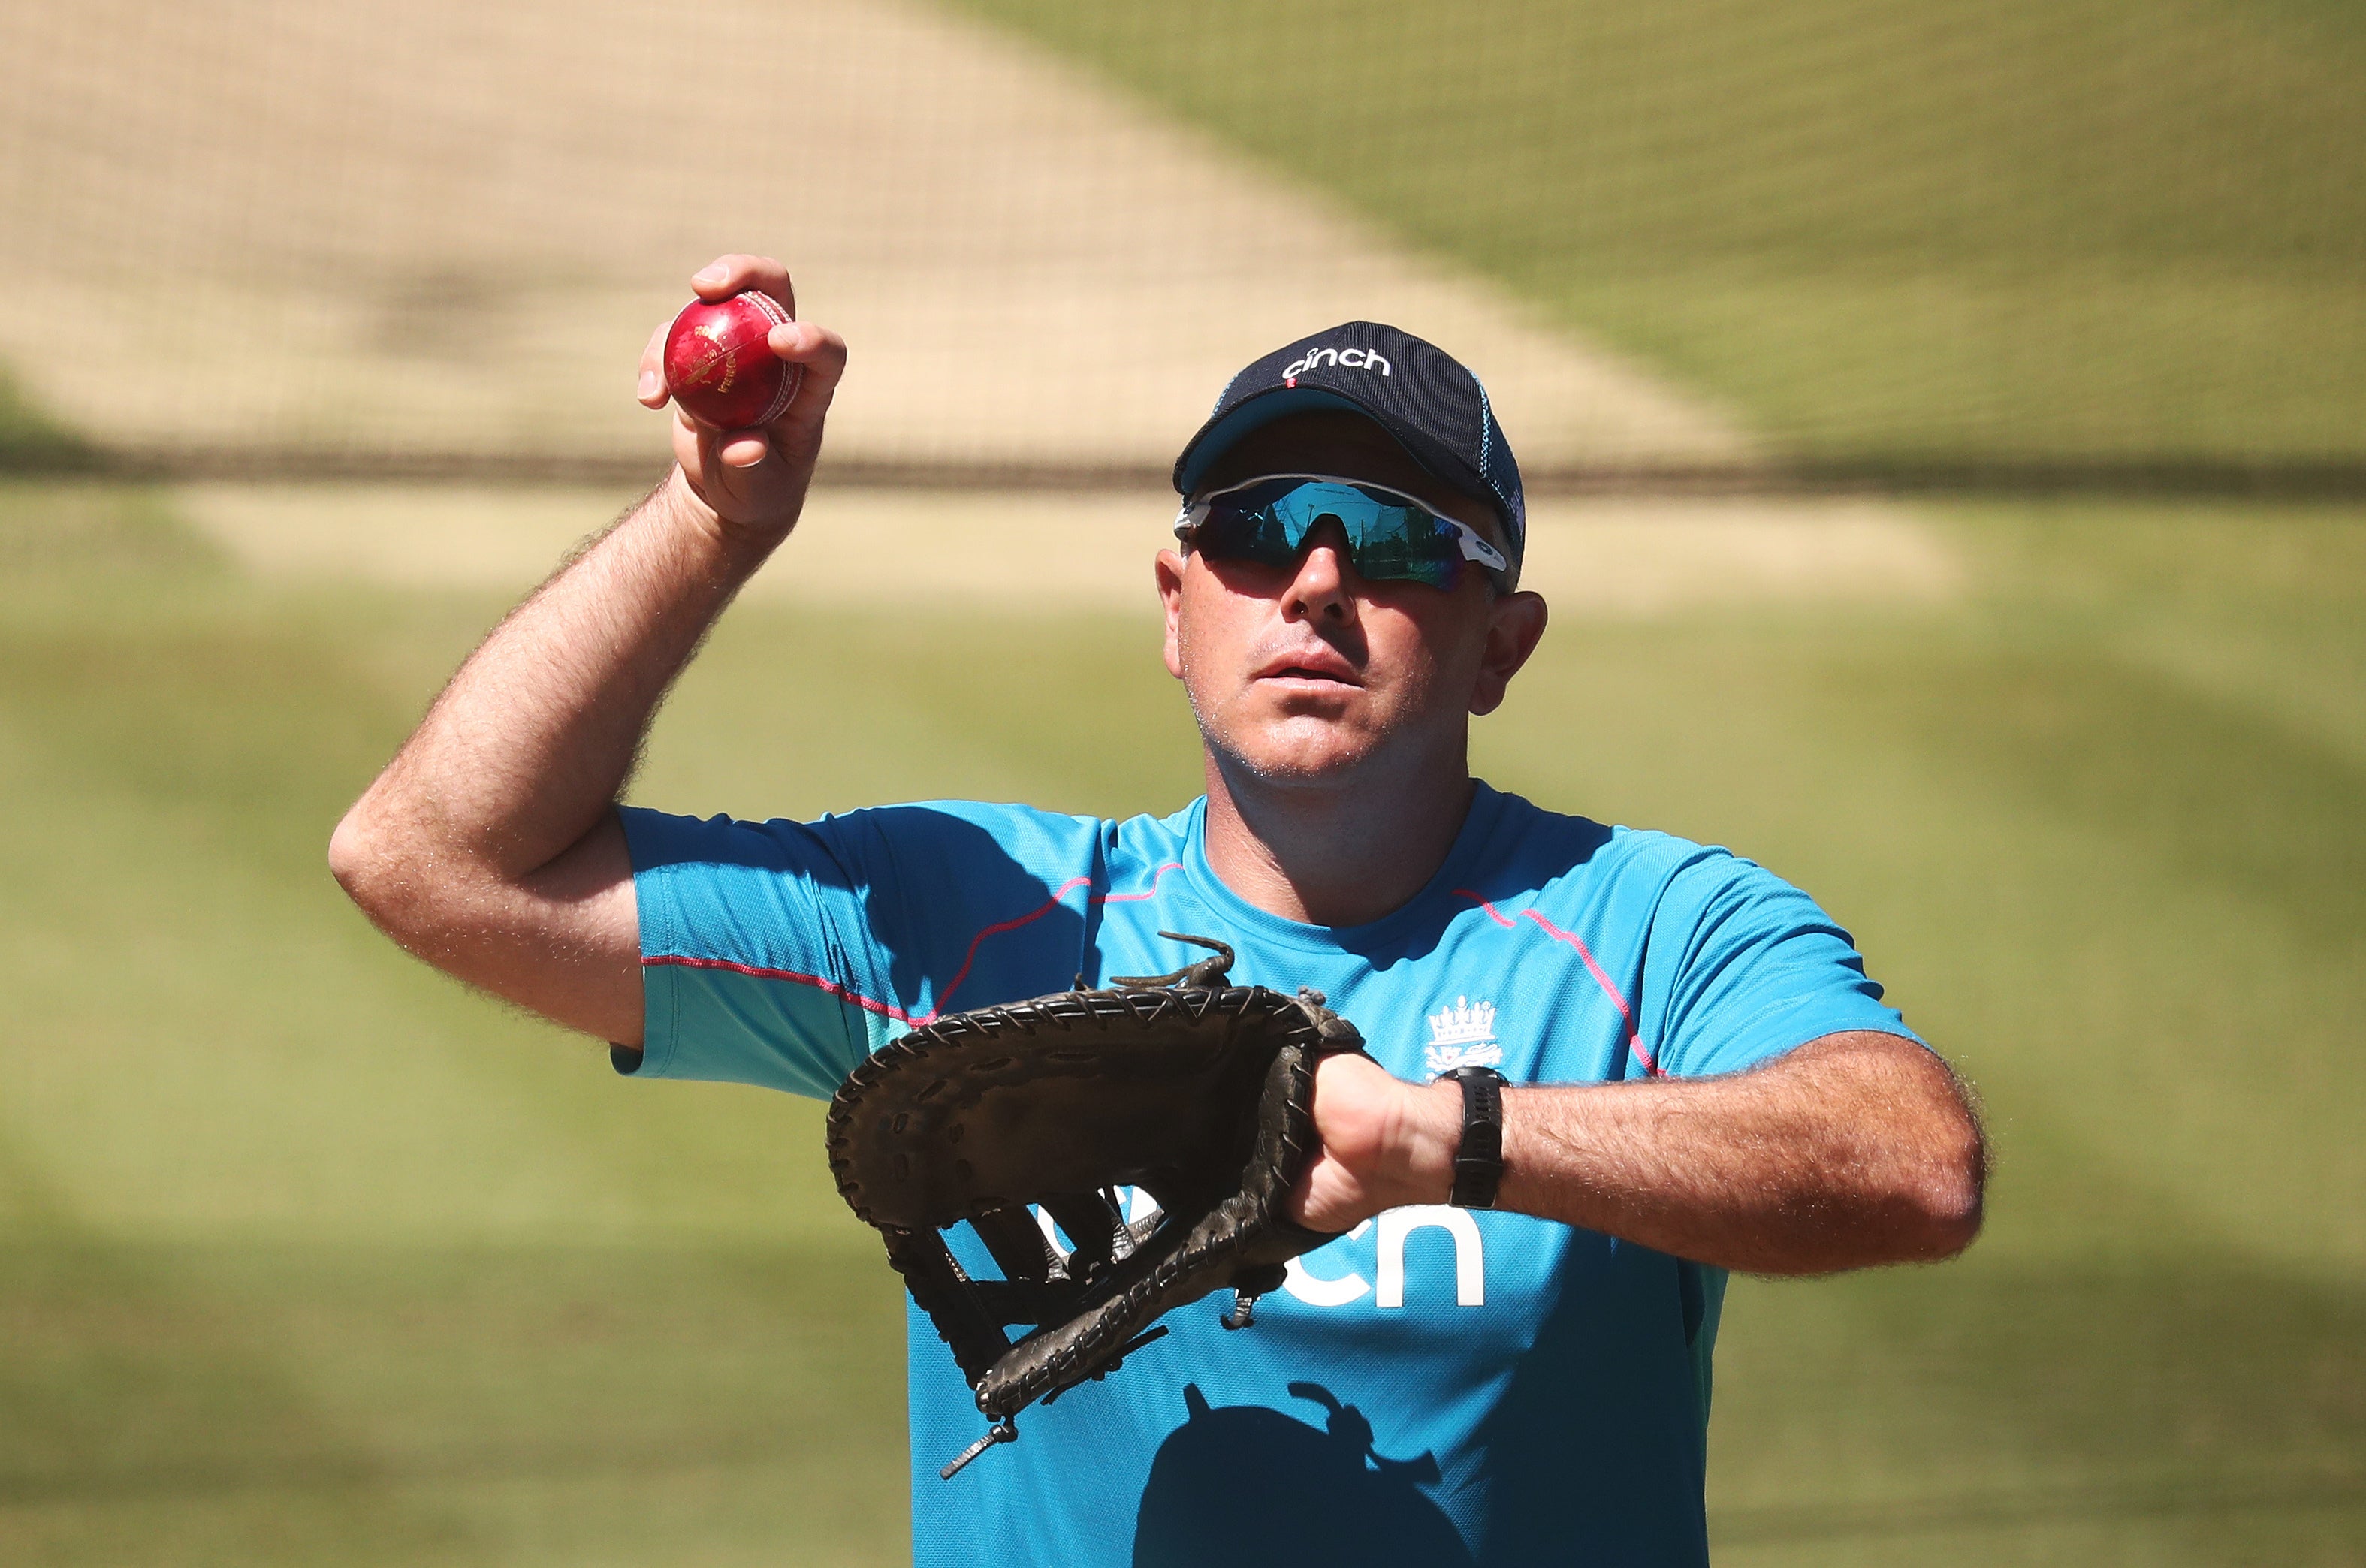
(1337, 854)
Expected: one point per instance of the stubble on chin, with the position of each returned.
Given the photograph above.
(1252, 736)
(1252, 733)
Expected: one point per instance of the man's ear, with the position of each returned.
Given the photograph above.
(1170, 568)
(1515, 623)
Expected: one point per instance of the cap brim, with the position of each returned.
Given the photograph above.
(1220, 433)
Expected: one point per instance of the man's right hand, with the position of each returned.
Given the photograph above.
(752, 482)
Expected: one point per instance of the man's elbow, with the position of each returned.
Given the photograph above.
(373, 868)
(1947, 1195)
(349, 850)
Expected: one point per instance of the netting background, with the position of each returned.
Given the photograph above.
(2101, 238)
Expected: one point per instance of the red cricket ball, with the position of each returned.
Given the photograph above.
(719, 369)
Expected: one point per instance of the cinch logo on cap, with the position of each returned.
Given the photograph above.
(1354, 359)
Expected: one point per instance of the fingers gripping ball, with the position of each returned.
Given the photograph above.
(1197, 1091)
(720, 370)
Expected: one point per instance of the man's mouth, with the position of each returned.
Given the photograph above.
(1334, 670)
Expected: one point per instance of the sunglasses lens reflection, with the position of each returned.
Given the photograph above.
(1388, 540)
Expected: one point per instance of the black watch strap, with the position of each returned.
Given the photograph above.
(1479, 1162)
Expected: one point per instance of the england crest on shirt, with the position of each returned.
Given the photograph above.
(1462, 1035)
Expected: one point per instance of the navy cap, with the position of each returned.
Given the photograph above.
(1415, 390)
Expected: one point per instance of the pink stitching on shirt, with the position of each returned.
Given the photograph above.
(867, 1003)
(1634, 1036)
(1149, 892)
(885, 1010)
(996, 930)
(1052, 904)
(1498, 916)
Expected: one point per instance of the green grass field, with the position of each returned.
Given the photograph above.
(1895, 233)
(308, 1257)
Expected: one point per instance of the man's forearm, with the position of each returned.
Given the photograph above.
(535, 737)
(1852, 1150)
(489, 846)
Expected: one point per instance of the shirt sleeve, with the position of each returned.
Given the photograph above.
(782, 954)
(1744, 967)
(758, 964)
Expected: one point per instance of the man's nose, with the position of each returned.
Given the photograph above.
(1319, 590)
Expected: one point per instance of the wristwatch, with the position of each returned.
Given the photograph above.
(1479, 1162)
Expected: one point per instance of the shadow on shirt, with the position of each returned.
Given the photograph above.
(1306, 1495)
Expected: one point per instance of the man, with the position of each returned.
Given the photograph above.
(1702, 1077)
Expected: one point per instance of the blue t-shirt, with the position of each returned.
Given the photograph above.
(1438, 1386)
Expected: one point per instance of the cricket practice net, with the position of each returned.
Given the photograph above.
(1892, 238)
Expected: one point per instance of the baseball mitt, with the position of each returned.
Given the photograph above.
(1196, 1091)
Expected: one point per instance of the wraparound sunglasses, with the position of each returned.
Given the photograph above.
(1390, 536)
